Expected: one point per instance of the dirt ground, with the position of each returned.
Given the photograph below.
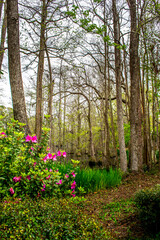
(114, 208)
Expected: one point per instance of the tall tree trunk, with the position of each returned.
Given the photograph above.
(50, 99)
(60, 110)
(91, 144)
(146, 156)
(79, 124)
(38, 122)
(126, 83)
(123, 156)
(107, 133)
(64, 116)
(1, 6)
(18, 99)
(3, 35)
(135, 111)
(111, 111)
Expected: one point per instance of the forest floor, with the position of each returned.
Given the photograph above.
(115, 209)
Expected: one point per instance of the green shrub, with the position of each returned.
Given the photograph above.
(148, 204)
(47, 219)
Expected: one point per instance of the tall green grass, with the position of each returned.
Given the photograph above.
(96, 179)
(93, 179)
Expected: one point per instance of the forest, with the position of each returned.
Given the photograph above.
(84, 79)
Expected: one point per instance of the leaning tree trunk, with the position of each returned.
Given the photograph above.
(135, 110)
(18, 99)
(123, 156)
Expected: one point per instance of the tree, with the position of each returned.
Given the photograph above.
(38, 122)
(135, 110)
(15, 76)
(123, 156)
(3, 35)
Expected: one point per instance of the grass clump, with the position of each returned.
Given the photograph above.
(96, 179)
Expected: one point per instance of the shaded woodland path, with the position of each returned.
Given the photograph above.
(116, 211)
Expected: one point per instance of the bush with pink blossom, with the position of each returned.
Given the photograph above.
(29, 168)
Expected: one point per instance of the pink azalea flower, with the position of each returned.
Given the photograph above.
(54, 158)
(34, 164)
(43, 190)
(45, 159)
(17, 179)
(60, 182)
(28, 177)
(48, 177)
(34, 139)
(32, 148)
(11, 190)
(48, 148)
(44, 185)
(50, 170)
(73, 195)
(3, 134)
(46, 169)
(49, 156)
(73, 185)
(73, 174)
(64, 154)
(28, 138)
(66, 175)
(57, 170)
(59, 153)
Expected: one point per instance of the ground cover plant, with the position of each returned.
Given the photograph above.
(47, 219)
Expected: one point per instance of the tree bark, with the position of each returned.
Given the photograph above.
(38, 122)
(123, 156)
(3, 35)
(50, 99)
(15, 76)
(111, 112)
(1, 5)
(107, 133)
(135, 111)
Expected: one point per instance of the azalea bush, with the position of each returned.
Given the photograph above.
(29, 168)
